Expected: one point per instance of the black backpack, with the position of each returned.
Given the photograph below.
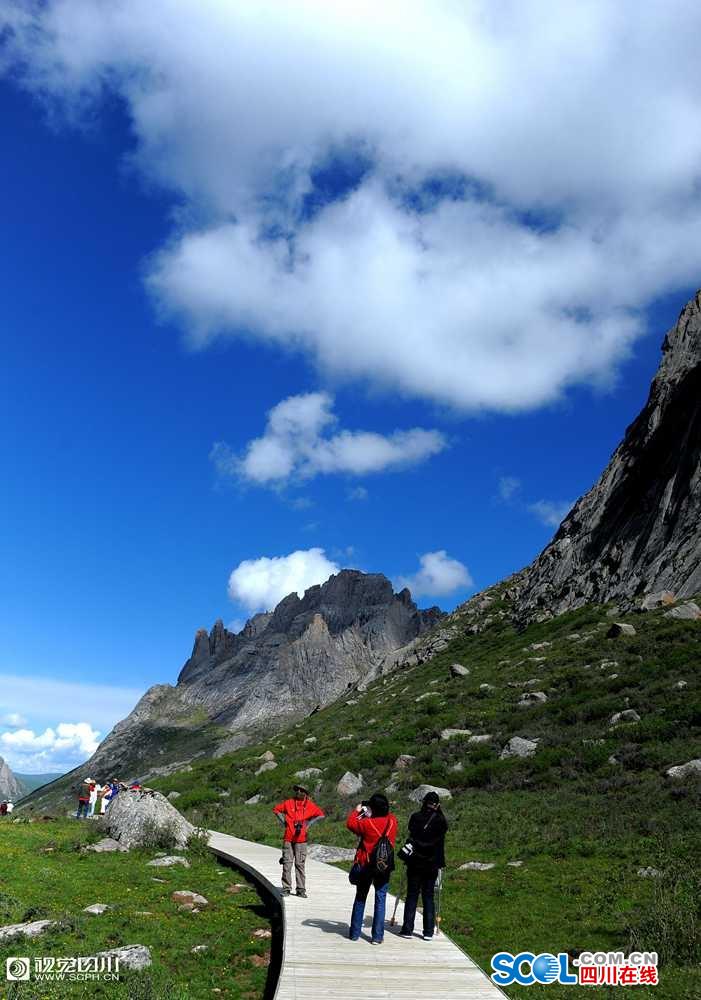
(381, 861)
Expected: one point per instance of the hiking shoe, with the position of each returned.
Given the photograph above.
(286, 892)
(376, 942)
(406, 934)
(302, 893)
(428, 937)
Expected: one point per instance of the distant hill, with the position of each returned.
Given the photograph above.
(11, 787)
(32, 781)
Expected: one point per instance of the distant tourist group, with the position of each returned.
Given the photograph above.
(377, 828)
(94, 798)
(6, 807)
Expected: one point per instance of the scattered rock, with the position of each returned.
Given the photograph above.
(131, 956)
(426, 694)
(685, 770)
(310, 739)
(269, 765)
(262, 932)
(260, 961)
(199, 949)
(619, 629)
(350, 784)
(514, 864)
(481, 738)
(185, 897)
(324, 852)
(309, 772)
(96, 908)
(449, 734)
(404, 760)
(254, 800)
(685, 612)
(106, 844)
(477, 866)
(457, 670)
(658, 600)
(519, 747)
(649, 872)
(535, 646)
(345, 739)
(487, 687)
(134, 817)
(418, 793)
(532, 698)
(168, 861)
(627, 715)
(680, 685)
(30, 929)
(608, 663)
(172, 796)
(457, 767)
(224, 795)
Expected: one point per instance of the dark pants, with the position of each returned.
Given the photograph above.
(423, 882)
(380, 882)
(82, 809)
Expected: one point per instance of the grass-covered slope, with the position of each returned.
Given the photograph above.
(590, 808)
(44, 874)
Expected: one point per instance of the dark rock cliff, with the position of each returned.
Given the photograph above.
(638, 530)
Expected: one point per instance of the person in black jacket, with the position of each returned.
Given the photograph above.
(427, 830)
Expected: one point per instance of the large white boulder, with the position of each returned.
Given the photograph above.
(146, 819)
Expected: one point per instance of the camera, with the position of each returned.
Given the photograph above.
(298, 828)
(406, 852)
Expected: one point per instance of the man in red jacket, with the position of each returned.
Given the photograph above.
(296, 815)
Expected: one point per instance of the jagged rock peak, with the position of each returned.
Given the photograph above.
(638, 530)
(10, 786)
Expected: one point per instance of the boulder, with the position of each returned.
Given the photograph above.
(680, 685)
(649, 872)
(184, 897)
(267, 756)
(689, 611)
(97, 909)
(418, 793)
(131, 956)
(136, 819)
(309, 740)
(105, 845)
(309, 772)
(477, 866)
(487, 687)
(457, 670)
(658, 600)
(426, 694)
(168, 861)
(268, 765)
(350, 784)
(172, 796)
(30, 929)
(199, 949)
(346, 739)
(323, 852)
(519, 747)
(254, 800)
(449, 734)
(627, 715)
(692, 767)
(619, 629)
(404, 760)
(532, 698)
(481, 738)
(514, 864)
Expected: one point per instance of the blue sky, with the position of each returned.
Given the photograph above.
(123, 366)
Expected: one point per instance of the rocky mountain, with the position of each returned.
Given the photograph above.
(10, 787)
(638, 530)
(283, 666)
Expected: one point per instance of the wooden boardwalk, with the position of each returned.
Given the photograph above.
(319, 961)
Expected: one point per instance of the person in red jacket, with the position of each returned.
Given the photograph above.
(371, 821)
(296, 815)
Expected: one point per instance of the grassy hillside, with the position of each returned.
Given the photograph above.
(589, 809)
(44, 874)
(32, 781)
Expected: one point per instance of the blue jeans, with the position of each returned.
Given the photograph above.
(381, 884)
(82, 810)
(424, 883)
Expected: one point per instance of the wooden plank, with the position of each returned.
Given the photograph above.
(321, 963)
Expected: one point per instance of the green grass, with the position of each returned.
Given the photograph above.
(45, 874)
(582, 826)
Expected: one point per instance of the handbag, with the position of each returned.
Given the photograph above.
(355, 875)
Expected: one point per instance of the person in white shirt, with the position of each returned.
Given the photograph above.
(10, 807)
(95, 789)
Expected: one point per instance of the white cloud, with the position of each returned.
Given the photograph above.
(531, 181)
(54, 749)
(260, 584)
(301, 441)
(13, 719)
(509, 486)
(550, 512)
(438, 575)
(358, 493)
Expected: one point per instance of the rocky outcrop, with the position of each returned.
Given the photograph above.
(146, 819)
(638, 530)
(11, 788)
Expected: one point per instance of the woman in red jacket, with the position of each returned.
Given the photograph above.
(371, 821)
